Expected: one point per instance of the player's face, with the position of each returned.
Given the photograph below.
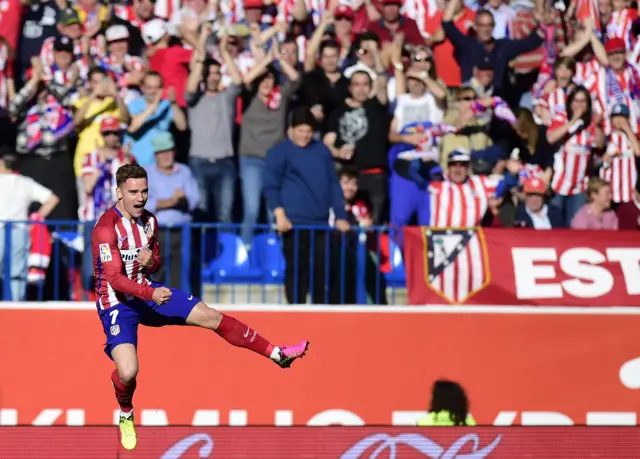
(134, 194)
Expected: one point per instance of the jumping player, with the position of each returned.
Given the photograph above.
(125, 252)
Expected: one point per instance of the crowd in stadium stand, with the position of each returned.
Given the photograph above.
(437, 112)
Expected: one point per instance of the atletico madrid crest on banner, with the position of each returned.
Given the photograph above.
(456, 262)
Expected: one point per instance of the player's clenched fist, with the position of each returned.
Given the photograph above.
(161, 295)
(145, 257)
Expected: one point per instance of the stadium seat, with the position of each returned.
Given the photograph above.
(266, 254)
(232, 266)
(397, 276)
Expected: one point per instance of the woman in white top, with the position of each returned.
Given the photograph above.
(415, 131)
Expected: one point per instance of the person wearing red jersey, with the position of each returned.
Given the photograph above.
(125, 253)
(573, 136)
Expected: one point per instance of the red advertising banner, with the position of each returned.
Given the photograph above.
(328, 442)
(365, 366)
(522, 266)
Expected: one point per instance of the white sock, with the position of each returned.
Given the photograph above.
(126, 415)
(275, 354)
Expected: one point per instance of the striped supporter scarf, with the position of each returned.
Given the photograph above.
(56, 119)
(500, 109)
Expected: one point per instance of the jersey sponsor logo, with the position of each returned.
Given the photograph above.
(114, 330)
(128, 256)
(105, 253)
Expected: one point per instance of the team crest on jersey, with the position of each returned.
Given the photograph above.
(148, 230)
(114, 330)
(105, 253)
(457, 264)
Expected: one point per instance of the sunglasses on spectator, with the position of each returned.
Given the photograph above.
(362, 51)
(233, 42)
(106, 133)
(421, 57)
(343, 18)
(465, 99)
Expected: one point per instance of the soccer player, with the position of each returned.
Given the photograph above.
(125, 252)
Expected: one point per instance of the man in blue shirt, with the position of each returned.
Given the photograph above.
(301, 187)
(151, 115)
(173, 196)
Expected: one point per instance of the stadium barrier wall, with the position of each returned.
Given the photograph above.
(325, 443)
(366, 366)
(363, 265)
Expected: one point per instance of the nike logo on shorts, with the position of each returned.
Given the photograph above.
(190, 297)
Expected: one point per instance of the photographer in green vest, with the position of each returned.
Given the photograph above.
(449, 406)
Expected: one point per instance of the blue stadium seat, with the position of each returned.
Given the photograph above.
(266, 254)
(397, 276)
(232, 266)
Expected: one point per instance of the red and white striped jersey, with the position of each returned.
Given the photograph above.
(315, 9)
(586, 71)
(604, 97)
(620, 26)
(6, 72)
(621, 173)
(94, 163)
(460, 205)
(115, 244)
(555, 102)
(571, 161)
(421, 11)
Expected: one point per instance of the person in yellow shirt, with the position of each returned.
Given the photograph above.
(449, 406)
(103, 100)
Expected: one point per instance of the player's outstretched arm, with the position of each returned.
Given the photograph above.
(105, 250)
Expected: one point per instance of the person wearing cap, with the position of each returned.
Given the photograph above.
(392, 23)
(64, 70)
(68, 25)
(533, 212)
(301, 187)
(173, 191)
(211, 112)
(19, 192)
(614, 65)
(358, 132)
(468, 48)
(41, 110)
(457, 180)
(619, 161)
(171, 62)
(173, 198)
(99, 169)
(127, 69)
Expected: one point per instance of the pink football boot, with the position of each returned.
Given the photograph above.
(289, 353)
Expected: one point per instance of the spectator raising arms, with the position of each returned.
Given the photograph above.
(211, 111)
(264, 125)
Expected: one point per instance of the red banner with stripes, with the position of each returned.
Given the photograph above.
(522, 267)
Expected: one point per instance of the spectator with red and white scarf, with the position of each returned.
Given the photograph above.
(127, 70)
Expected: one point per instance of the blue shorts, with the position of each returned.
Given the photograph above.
(120, 322)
